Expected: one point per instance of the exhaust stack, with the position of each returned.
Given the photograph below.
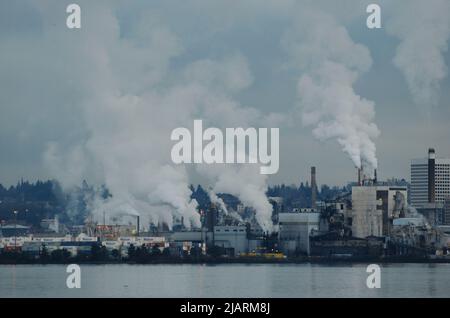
(137, 225)
(313, 188)
(431, 175)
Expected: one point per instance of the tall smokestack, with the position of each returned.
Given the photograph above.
(313, 188)
(359, 177)
(375, 178)
(211, 217)
(137, 225)
(431, 175)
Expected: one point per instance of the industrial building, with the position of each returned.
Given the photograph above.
(367, 215)
(328, 245)
(14, 230)
(233, 240)
(446, 214)
(433, 212)
(50, 225)
(371, 220)
(294, 231)
(375, 206)
(79, 245)
(430, 180)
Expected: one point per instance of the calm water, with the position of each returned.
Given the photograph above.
(267, 280)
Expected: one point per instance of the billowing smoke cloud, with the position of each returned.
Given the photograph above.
(331, 63)
(131, 101)
(128, 122)
(222, 79)
(423, 28)
(245, 182)
(215, 199)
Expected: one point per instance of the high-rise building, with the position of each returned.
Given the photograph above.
(430, 180)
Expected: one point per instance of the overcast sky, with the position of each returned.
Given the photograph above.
(246, 58)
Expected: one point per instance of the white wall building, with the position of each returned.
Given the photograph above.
(375, 207)
(367, 215)
(295, 229)
(234, 237)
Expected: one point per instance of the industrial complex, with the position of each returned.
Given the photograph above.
(374, 219)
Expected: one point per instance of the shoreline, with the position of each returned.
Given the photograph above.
(325, 261)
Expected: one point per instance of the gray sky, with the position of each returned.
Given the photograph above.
(53, 79)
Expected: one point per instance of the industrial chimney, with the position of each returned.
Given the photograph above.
(359, 176)
(137, 225)
(431, 175)
(313, 188)
(375, 178)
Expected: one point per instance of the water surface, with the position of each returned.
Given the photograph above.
(226, 280)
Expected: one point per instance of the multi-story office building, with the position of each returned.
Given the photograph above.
(430, 180)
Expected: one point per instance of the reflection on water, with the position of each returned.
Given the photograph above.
(231, 280)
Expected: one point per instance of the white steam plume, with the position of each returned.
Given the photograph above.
(245, 182)
(241, 180)
(128, 122)
(331, 63)
(130, 104)
(423, 28)
(215, 199)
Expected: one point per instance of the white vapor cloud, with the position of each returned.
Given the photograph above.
(331, 63)
(100, 103)
(132, 100)
(423, 28)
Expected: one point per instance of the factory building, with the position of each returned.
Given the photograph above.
(14, 230)
(375, 206)
(433, 212)
(446, 214)
(444, 238)
(367, 215)
(232, 238)
(331, 246)
(414, 237)
(295, 230)
(197, 236)
(393, 204)
(430, 180)
(51, 225)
